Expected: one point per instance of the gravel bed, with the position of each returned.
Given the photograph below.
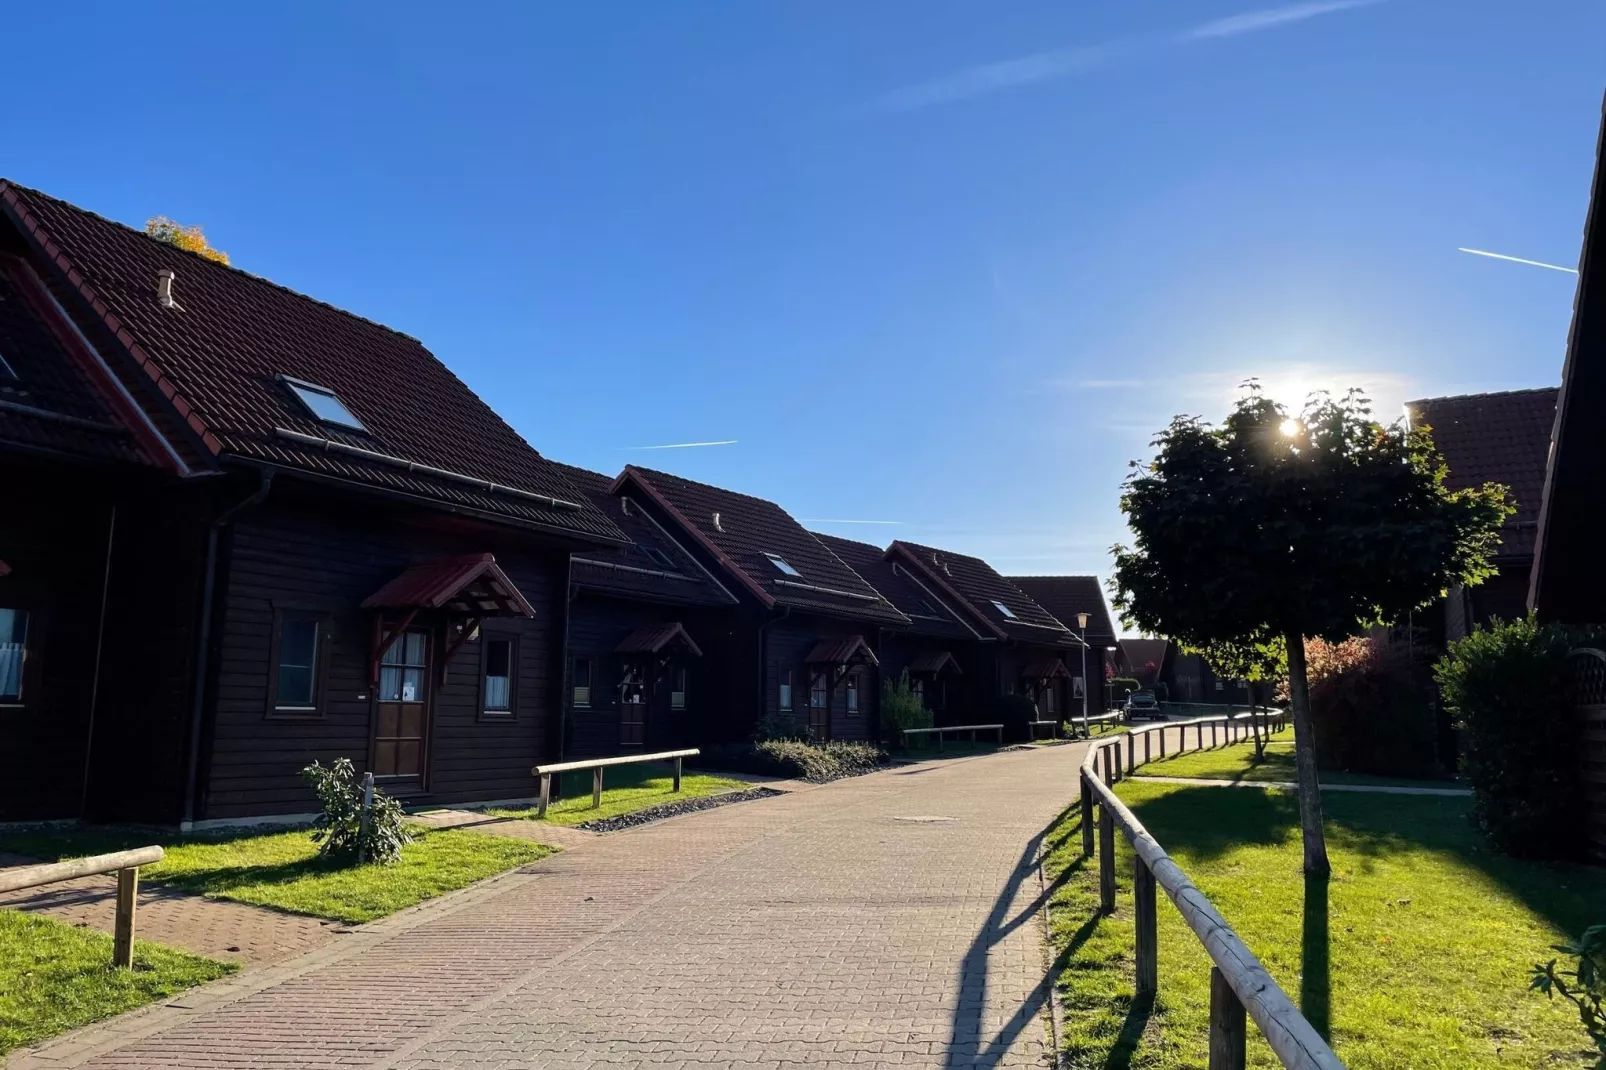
(686, 806)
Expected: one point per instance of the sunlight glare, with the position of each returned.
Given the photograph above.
(1289, 428)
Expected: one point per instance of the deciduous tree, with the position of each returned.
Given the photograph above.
(1323, 525)
(188, 238)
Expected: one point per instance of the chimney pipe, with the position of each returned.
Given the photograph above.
(717, 526)
(164, 288)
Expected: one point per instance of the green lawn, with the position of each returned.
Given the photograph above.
(282, 869)
(55, 977)
(1235, 762)
(1416, 953)
(624, 791)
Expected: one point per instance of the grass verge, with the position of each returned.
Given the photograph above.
(624, 790)
(1416, 953)
(282, 870)
(1236, 762)
(55, 977)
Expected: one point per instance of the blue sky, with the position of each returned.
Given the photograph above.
(943, 264)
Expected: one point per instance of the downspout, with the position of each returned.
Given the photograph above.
(100, 645)
(203, 648)
(564, 691)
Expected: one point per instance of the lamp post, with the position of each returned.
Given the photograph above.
(1081, 628)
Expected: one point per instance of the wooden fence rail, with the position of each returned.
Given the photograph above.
(1238, 982)
(939, 732)
(597, 765)
(123, 863)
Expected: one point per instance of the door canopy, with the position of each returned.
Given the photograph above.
(468, 585)
(935, 663)
(658, 639)
(1047, 669)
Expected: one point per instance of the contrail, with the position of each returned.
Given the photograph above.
(685, 445)
(1517, 260)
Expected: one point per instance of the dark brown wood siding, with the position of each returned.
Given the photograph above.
(787, 643)
(298, 554)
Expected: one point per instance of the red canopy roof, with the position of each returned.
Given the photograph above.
(1046, 669)
(841, 651)
(470, 584)
(934, 662)
(653, 640)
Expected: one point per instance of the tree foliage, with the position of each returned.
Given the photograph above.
(1244, 532)
(188, 238)
(1584, 986)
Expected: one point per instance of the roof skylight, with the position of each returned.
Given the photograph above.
(659, 558)
(323, 403)
(5, 369)
(1005, 610)
(781, 563)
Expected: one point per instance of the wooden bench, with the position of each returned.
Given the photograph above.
(597, 765)
(1033, 726)
(124, 863)
(939, 732)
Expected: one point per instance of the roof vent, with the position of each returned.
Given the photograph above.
(164, 288)
(624, 506)
(717, 525)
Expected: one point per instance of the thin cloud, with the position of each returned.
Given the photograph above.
(830, 520)
(685, 445)
(1110, 384)
(1255, 21)
(988, 78)
(1517, 260)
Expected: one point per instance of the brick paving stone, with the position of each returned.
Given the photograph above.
(816, 928)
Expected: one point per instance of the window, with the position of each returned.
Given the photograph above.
(919, 687)
(1076, 687)
(497, 689)
(1051, 699)
(1008, 613)
(781, 563)
(853, 693)
(5, 369)
(13, 652)
(582, 681)
(296, 663)
(677, 687)
(401, 669)
(926, 607)
(785, 702)
(322, 403)
(659, 558)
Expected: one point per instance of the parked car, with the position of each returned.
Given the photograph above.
(1143, 704)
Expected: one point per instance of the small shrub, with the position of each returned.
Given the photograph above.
(1015, 713)
(340, 833)
(816, 762)
(901, 708)
(1523, 742)
(1587, 988)
(1371, 708)
(779, 725)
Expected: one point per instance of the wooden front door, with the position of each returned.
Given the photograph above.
(633, 709)
(401, 721)
(820, 705)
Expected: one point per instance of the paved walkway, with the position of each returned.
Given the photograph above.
(890, 919)
(234, 932)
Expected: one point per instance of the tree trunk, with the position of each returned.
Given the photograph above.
(1254, 721)
(1310, 792)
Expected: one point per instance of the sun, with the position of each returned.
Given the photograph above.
(1290, 427)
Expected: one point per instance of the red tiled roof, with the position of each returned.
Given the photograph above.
(653, 639)
(470, 584)
(925, 608)
(48, 402)
(1066, 596)
(934, 662)
(841, 652)
(1496, 438)
(216, 365)
(977, 585)
(633, 570)
(1144, 654)
(751, 527)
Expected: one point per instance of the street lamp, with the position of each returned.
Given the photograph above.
(1081, 627)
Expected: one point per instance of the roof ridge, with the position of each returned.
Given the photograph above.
(1488, 394)
(711, 486)
(844, 538)
(29, 190)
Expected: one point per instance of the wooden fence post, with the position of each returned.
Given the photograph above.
(1213, 734)
(1087, 818)
(677, 774)
(596, 787)
(1131, 752)
(1148, 948)
(1147, 748)
(1162, 741)
(546, 794)
(1106, 860)
(127, 895)
(1227, 1035)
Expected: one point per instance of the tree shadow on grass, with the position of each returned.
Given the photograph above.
(1315, 958)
